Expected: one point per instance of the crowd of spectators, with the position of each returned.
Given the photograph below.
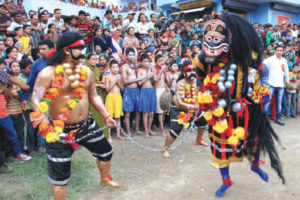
(135, 60)
(114, 8)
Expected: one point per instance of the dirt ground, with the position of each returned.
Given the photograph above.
(145, 175)
(189, 174)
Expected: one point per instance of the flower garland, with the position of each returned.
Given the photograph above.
(77, 81)
(188, 93)
(213, 107)
(258, 94)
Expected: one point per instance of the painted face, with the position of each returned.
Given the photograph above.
(145, 63)
(216, 40)
(174, 67)
(77, 53)
(189, 72)
(115, 68)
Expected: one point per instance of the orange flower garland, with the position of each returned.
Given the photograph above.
(188, 93)
(77, 81)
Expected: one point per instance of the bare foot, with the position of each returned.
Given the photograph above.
(138, 132)
(120, 138)
(201, 142)
(109, 182)
(166, 154)
(146, 135)
(151, 133)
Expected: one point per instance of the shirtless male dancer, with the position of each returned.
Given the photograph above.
(147, 94)
(131, 91)
(69, 54)
(187, 79)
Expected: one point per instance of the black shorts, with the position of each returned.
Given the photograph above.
(59, 154)
(176, 128)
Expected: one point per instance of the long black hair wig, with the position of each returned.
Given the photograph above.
(65, 40)
(246, 51)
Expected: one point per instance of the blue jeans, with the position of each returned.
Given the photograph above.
(10, 132)
(291, 104)
(279, 94)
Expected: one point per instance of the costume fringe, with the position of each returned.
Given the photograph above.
(259, 126)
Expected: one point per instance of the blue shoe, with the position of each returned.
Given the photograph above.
(222, 190)
(263, 175)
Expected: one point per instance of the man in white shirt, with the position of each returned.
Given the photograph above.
(295, 31)
(57, 21)
(143, 26)
(278, 76)
(44, 19)
(129, 21)
(16, 23)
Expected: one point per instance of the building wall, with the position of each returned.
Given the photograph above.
(276, 13)
(298, 18)
(261, 14)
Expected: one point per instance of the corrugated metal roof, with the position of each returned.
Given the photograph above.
(286, 2)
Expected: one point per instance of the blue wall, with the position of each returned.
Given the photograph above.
(262, 14)
(298, 18)
(276, 13)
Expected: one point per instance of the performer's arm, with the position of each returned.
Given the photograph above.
(181, 104)
(42, 84)
(97, 102)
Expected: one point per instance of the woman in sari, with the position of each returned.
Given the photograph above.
(90, 62)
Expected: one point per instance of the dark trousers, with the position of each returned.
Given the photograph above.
(29, 133)
(2, 159)
(19, 124)
(10, 134)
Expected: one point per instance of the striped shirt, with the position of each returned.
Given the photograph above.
(14, 107)
(85, 27)
(23, 80)
(3, 110)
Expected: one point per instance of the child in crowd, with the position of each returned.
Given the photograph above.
(195, 40)
(291, 94)
(9, 42)
(160, 87)
(14, 107)
(3, 65)
(6, 124)
(113, 103)
(29, 134)
(172, 76)
(26, 39)
(147, 94)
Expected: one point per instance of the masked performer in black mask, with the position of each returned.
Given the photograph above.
(231, 105)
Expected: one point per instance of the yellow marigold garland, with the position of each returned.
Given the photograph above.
(52, 132)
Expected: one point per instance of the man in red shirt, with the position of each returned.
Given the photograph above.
(85, 27)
